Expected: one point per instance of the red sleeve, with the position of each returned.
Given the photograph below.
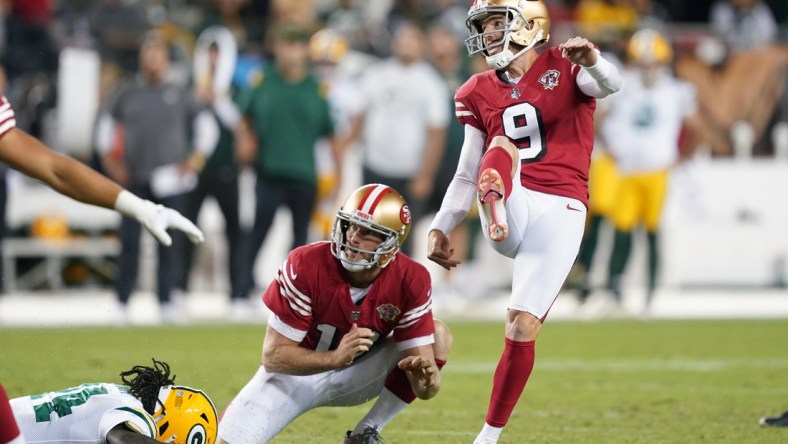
(7, 118)
(416, 322)
(464, 109)
(288, 296)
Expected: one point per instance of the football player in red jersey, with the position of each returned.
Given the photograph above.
(351, 320)
(530, 118)
(68, 176)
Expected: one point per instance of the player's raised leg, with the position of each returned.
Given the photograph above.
(495, 185)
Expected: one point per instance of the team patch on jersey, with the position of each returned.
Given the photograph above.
(355, 314)
(549, 79)
(515, 93)
(388, 312)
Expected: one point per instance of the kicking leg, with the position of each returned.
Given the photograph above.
(495, 184)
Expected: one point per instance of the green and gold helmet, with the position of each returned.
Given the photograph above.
(648, 46)
(185, 416)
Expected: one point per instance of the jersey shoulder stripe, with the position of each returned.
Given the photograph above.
(7, 117)
(465, 108)
(412, 315)
(297, 300)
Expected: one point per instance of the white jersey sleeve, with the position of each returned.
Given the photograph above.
(7, 117)
(599, 80)
(462, 190)
(83, 414)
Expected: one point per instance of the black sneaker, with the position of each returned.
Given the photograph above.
(370, 435)
(776, 421)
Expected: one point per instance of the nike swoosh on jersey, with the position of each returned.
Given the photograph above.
(568, 207)
(292, 274)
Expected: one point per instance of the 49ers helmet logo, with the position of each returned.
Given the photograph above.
(404, 214)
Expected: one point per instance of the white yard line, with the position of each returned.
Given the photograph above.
(96, 307)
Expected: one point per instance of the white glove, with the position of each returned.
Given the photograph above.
(156, 218)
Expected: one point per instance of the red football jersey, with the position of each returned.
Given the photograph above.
(310, 294)
(7, 118)
(8, 427)
(545, 114)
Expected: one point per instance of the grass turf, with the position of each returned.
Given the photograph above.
(604, 382)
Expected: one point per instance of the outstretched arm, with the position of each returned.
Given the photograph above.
(64, 174)
(599, 77)
(74, 179)
(458, 200)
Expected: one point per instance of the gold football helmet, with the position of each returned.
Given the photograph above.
(327, 46)
(185, 416)
(648, 46)
(527, 26)
(378, 208)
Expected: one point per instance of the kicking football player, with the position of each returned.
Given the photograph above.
(351, 320)
(529, 133)
(147, 408)
(25, 153)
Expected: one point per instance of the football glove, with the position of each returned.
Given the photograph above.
(156, 218)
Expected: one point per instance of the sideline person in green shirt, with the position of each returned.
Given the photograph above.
(283, 117)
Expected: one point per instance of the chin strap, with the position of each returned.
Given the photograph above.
(505, 57)
(354, 265)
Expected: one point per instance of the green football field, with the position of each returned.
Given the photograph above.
(597, 382)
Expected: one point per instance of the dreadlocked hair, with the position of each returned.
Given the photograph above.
(145, 382)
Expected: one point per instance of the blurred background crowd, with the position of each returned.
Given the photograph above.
(381, 73)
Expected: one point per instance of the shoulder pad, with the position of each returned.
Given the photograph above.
(467, 88)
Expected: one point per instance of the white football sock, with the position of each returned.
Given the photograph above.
(489, 434)
(384, 410)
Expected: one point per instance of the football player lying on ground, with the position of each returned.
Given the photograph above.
(351, 320)
(68, 176)
(147, 409)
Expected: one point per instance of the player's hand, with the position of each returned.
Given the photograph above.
(438, 250)
(353, 343)
(579, 51)
(158, 219)
(418, 366)
(422, 372)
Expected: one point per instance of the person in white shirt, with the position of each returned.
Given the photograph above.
(641, 127)
(402, 121)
